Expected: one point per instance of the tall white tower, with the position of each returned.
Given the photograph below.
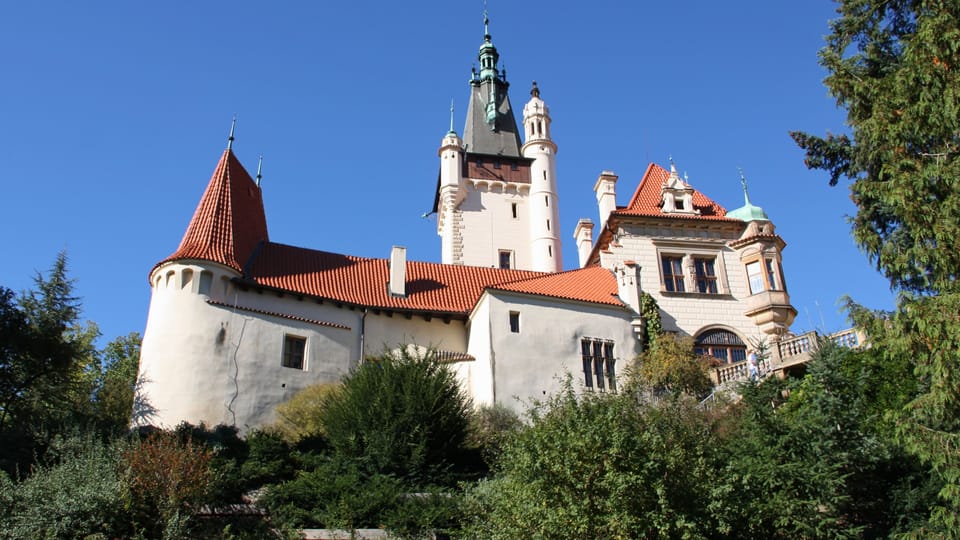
(544, 215)
(449, 194)
(496, 203)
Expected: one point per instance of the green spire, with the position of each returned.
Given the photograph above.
(748, 212)
(452, 131)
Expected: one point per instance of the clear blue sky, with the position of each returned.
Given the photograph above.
(113, 115)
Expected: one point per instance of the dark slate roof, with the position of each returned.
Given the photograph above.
(478, 137)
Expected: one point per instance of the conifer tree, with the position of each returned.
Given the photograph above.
(894, 65)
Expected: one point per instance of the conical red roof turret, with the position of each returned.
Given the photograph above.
(229, 222)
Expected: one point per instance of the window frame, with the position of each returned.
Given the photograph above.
(710, 282)
(598, 364)
(688, 252)
(672, 282)
(770, 274)
(289, 357)
(514, 322)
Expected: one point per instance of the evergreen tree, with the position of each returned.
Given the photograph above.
(48, 368)
(894, 65)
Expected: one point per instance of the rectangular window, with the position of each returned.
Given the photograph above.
(513, 209)
(496, 164)
(506, 259)
(598, 363)
(515, 322)
(755, 277)
(514, 167)
(610, 362)
(706, 275)
(773, 276)
(673, 274)
(293, 350)
(587, 363)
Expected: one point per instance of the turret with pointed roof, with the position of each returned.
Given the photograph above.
(229, 222)
(491, 127)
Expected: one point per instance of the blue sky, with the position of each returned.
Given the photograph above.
(113, 115)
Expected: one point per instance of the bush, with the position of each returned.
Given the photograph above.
(79, 496)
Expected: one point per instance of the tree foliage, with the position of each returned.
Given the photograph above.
(402, 414)
(894, 65)
(601, 466)
(671, 366)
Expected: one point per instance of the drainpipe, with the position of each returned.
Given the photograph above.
(363, 323)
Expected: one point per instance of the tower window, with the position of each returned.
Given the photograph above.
(544, 175)
(293, 351)
(546, 201)
(506, 259)
(548, 224)
(513, 210)
(515, 322)
(549, 251)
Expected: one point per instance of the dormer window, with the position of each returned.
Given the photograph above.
(678, 204)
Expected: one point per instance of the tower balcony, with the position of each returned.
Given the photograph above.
(771, 312)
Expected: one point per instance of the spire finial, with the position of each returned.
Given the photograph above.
(486, 22)
(233, 127)
(743, 182)
(259, 169)
(535, 91)
(452, 131)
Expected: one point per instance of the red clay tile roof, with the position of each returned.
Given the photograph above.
(593, 284)
(647, 198)
(430, 287)
(229, 222)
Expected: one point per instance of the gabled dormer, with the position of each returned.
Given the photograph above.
(676, 195)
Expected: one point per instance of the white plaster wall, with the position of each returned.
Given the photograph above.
(477, 376)
(489, 226)
(214, 364)
(532, 363)
(384, 331)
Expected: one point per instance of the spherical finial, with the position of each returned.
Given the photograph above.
(535, 91)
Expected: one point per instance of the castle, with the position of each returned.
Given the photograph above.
(239, 323)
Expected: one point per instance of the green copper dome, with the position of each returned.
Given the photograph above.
(747, 212)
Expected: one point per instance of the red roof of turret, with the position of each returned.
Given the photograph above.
(229, 222)
(647, 199)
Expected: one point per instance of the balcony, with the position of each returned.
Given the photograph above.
(787, 353)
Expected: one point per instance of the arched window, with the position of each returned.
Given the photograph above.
(722, 345)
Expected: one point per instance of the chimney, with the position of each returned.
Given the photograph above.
(584, 237)
(606, 190)
(398, 271)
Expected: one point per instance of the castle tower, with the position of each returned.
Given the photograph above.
(543, 208)
(184, 361)
(486, 215)
(449, 195)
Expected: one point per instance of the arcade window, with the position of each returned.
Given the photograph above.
(293, 351)
(723, 345)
